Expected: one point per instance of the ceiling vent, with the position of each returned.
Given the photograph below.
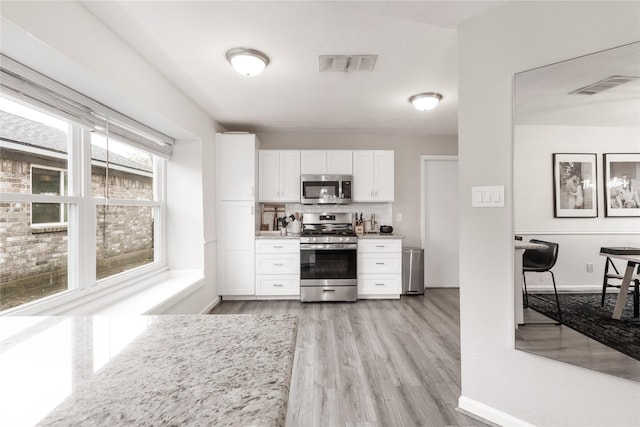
(602, 85)
(344, 63)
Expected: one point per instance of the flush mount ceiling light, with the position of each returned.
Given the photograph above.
(248, 62)
(425, 101)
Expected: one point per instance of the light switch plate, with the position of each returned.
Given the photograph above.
(487, 197)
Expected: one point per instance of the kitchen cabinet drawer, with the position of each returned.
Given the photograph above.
(278, 263)
(379, 285)
(379, 263)
(277, 285)
(379, 245)
(278, 246)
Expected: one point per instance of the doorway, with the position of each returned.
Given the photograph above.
(439, 221)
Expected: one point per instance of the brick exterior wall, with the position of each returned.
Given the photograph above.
(33, 260)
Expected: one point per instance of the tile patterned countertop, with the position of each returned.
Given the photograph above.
(186, 370)
(380, 236)
(276, 235)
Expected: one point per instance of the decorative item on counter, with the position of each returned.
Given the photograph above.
(295, 226)
(264, 227)
(386, 229)
(270, 216)
(289, 224)
(359, 227)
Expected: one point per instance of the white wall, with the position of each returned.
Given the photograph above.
(65, 42)
(533, 174)
(499, 382)
(580, 239)
(407, 151)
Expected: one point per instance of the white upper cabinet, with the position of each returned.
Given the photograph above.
(236, 175)
(340, 162)
(373, 176)
(321, 162)
(279, 172)
(313, 162)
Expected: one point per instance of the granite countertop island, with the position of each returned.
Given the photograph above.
(182, 370)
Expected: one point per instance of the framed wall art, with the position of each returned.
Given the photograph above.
(574, 185)
(621, 184)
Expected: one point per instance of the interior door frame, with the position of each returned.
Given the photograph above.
(424, 161)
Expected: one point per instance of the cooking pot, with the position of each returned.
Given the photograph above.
(386, 229)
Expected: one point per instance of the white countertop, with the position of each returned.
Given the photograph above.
(186, 370)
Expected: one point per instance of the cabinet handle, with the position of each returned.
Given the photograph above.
(379, 284)
(252, 191)
(379, 246)
(379, 263)
(278, 264)
(279, 285)
(252, 210)
(277, 247)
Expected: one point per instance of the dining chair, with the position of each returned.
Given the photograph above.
(540, 261)
(616, 275)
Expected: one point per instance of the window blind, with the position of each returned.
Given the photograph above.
(31, 87)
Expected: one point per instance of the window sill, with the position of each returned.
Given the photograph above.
(154, 295)
(48, 228)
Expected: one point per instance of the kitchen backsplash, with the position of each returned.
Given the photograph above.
(382, 211)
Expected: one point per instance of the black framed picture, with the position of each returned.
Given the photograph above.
(622, 184)
(574, 185)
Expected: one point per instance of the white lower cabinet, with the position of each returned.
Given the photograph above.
(277, 267)
(277, 285)
(384, 284)
(379, 268)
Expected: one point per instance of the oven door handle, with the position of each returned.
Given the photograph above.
(328, 247)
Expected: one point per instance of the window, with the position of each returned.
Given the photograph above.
(52, 182)
(82, 194)
(124, 233)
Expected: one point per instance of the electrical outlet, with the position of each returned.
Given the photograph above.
(398, 217)
(589, 267)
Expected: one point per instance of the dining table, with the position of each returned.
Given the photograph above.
(632, 257)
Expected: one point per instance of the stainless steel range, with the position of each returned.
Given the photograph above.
(328, 258)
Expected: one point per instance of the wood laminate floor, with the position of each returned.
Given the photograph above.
(373, 362)
(567, 345)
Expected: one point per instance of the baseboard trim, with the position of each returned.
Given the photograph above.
(486, 413)
(211, 306)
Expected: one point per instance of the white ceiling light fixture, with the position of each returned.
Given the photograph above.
(425, 101)
(248, 62)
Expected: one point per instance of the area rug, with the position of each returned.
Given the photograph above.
(582, 312)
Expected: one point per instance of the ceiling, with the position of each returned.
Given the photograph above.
(542, 95)
(416, 44)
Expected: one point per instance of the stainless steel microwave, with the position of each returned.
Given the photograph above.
(325, 189)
